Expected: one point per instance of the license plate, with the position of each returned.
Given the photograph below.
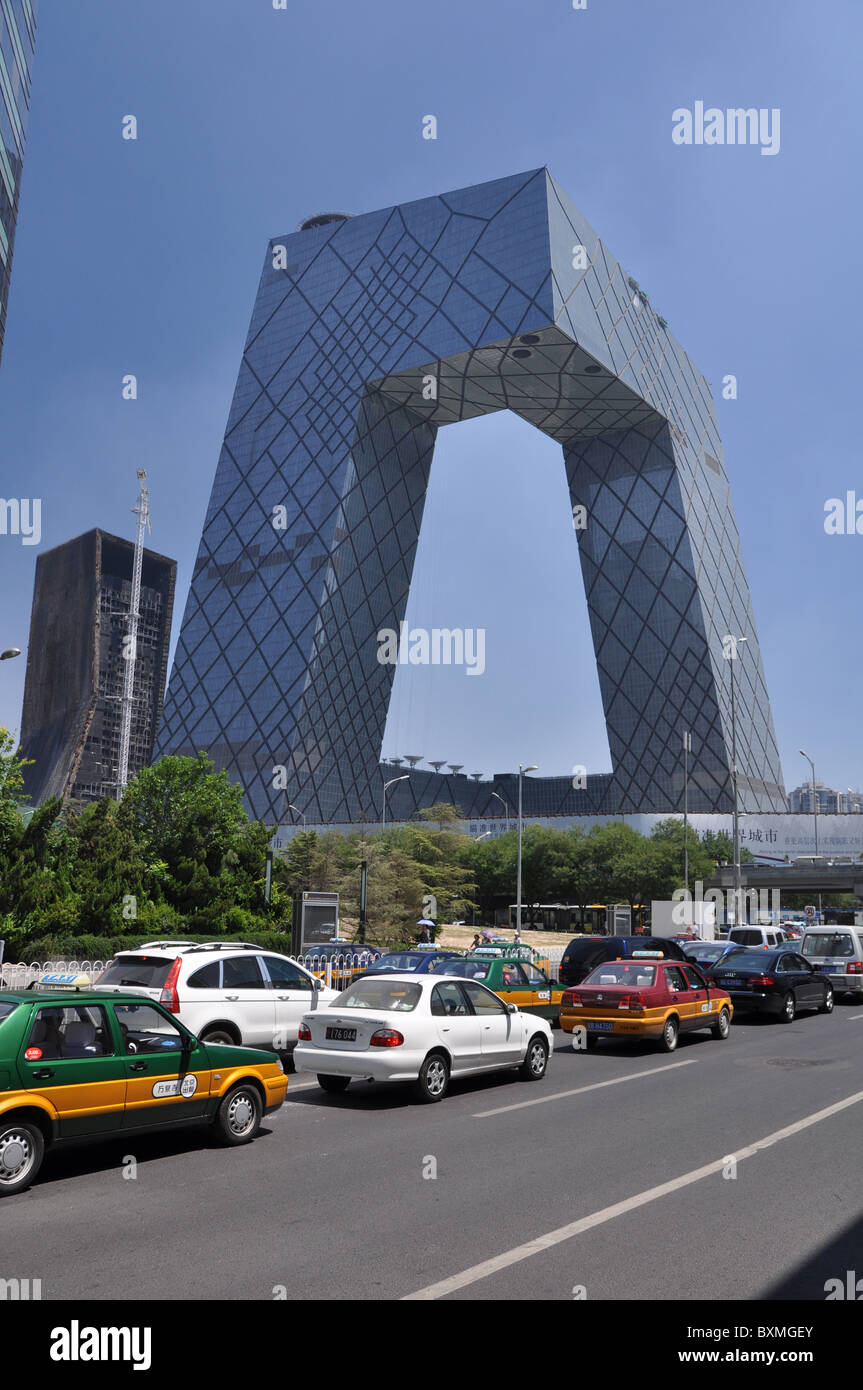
(600, 1027)
(341, 1034)
(731, 980)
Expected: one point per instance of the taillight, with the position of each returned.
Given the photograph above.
(854, 967)
(386, 1037)
(304, 1033)
(761, 980)
(570, 999)
(633, 1002)
(169, 996)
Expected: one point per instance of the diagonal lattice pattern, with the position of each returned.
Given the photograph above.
(367, 334)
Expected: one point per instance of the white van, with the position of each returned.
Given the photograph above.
(770, 938)
(838, 951)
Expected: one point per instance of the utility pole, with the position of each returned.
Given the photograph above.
(130, 642)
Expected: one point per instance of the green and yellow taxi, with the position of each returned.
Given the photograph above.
(80, 1064)
(511, 976)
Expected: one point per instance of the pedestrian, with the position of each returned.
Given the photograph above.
(517, 937)
(476, 941)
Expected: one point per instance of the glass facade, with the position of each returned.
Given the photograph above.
(367, 334)
(17, 42)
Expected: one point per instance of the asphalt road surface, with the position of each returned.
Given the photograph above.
(625, 1174)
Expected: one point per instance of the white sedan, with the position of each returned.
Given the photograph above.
(419, 1028)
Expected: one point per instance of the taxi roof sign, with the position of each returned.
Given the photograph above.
(63, 979)
(648, 955)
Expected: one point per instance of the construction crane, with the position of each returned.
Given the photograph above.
(130, 641)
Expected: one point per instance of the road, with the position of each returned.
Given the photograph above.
(616, 1185)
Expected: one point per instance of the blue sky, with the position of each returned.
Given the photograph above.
(144, 257)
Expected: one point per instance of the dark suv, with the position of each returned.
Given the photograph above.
(585, 952)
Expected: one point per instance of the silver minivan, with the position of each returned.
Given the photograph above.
(838, 952)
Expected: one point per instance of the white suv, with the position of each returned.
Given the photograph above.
(224, 991)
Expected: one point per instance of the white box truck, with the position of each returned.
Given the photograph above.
(668, 918)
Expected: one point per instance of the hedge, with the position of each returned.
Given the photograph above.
(91, 948)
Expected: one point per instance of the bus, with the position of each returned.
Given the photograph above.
(593, 919)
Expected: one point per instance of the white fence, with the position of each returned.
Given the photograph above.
(21, 976)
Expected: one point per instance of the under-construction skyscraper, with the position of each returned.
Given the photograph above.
(73, 697)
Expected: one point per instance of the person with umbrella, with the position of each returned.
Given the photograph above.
(425, 924)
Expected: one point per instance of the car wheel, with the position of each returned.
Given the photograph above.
(722, 1026)
(535, 1063)
(22, 1149)
(218, 1035)
(670, 1031)
(433, 1080)
(827, 1006)
(336, 1084)
(238, 1118)
(789, 1008)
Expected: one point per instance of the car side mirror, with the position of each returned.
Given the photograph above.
(316, 983)
(511, 1008)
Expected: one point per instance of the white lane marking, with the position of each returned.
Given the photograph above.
(598, 1218)
(580, 1090)
(299, 1086)
(855, 1019)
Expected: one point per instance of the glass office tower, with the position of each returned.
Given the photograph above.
(17, 42)
(367, 334)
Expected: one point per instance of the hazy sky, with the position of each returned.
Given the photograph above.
(144, 257)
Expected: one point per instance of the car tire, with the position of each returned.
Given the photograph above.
(788, 1012)
(238, 1118)
(22, 1148)
(829, 999)
(535, 1063)
(334, 1084)
(670, 1034)
(219, 1035)
(433, 1081)
(722, 1026)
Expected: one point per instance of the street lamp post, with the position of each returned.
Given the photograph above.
(687, 748)
(736, 823)
(9, 653)
(815, 814)
(504, 805)
(521, 772)
(404, 778)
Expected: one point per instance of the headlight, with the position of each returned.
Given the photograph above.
(280, 1064)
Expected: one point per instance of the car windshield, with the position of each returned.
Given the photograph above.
(745, 960)
(151, 971)
(623, 972)
(707, 950)
(828, 943)
(467, 969)
(395, 996)
(746, 938)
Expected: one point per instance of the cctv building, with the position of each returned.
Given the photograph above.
(17, 42)
(368, 333)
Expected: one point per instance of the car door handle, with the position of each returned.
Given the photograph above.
(233, 997)
(42, 1073)
(285, 996)
(137, 1066)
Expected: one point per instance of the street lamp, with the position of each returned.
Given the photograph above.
(404, 778)
(483, 836)
(732, 658)
(521, 772)
(815, 813)
(299, 813)
(687, 749)
(9, 653)
(504, 805)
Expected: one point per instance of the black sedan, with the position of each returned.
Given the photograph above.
(773, 982)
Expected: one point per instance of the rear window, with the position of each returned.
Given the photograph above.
(395, 996)
(745, 938)
(398, 960)
(587, 953)
(467, 969)
(150, 971)
(6, 1010)
(744, 960)
(623, 972)
(828, 943)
